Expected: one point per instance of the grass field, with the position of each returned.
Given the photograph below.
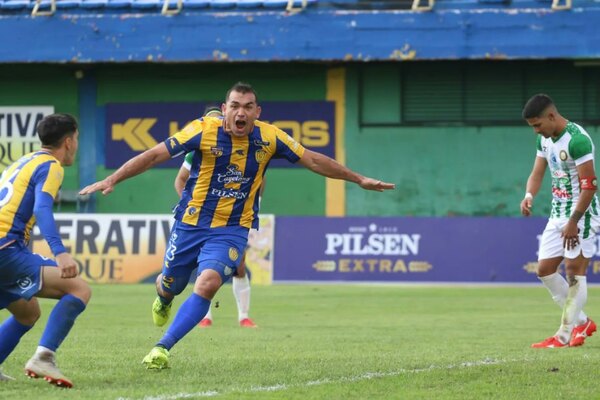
(324, 342)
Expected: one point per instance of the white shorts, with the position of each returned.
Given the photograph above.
(551, 244)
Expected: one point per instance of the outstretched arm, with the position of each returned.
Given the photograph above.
(133, 167)
(330, 168)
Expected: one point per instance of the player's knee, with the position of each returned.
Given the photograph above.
(208, 283)
(30, 317)
(81, 290)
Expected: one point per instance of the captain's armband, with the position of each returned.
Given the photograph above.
(588, 183)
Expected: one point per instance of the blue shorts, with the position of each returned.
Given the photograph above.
(220, 249)
(20, 273)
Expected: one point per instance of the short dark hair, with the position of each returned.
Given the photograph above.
(243, 88)
(53, 128)
(536, 106)
(211, 108)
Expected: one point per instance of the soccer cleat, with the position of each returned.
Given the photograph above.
(247, 323)
(158, 358)
(550, 343)
(205, 323)
(160, 312)
(43, 365)
(581, 332)
(4, 377)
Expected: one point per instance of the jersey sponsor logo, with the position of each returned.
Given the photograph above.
(228, 193)
(228, 271)
(239, 152)
(232, 176)
(216, 151)
(561, 193)
(559, 173)
(258, 142)
(192, 210)
(563, 155)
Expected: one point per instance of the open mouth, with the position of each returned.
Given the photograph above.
(240, 124)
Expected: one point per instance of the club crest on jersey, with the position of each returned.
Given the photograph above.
(216, 151)
(192, 210)
(260, 155)
(233, 253)
(563, 155)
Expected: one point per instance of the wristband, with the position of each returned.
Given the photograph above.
(528, 196)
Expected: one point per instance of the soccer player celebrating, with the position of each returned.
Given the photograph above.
(240, 282)
(571, 229)
(219, 203)
(28, 188)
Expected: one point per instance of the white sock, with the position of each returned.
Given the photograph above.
(42, 349)
(241, 291)
(559, 289)
(576, 299)
(208, 315)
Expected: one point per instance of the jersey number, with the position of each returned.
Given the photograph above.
(6, 187)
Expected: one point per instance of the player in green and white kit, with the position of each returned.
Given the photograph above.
(567, 149)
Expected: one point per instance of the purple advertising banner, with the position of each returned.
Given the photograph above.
(455, 249)
(132, 128)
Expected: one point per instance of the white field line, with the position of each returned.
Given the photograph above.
(325, 381)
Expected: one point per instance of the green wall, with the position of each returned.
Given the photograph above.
(476, 164)
(47, 85)
(439, 169)
(288, 191)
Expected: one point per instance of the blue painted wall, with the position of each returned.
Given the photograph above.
(325, 35)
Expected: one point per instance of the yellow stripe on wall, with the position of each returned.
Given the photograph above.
(335, 189)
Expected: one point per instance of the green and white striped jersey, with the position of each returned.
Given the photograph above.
(572, 148)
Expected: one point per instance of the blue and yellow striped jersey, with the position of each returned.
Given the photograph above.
(227, 171)
(34, 172)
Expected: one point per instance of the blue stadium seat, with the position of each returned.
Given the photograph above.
(93, 4)
(223, 4)
(14, 5)
(283, 3)
(60, 4)
(249, 3)
(146, 4)
(275, 3)
(118, 4)
(195, 4)
(506, 2)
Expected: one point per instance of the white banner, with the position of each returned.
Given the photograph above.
(18, 135)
